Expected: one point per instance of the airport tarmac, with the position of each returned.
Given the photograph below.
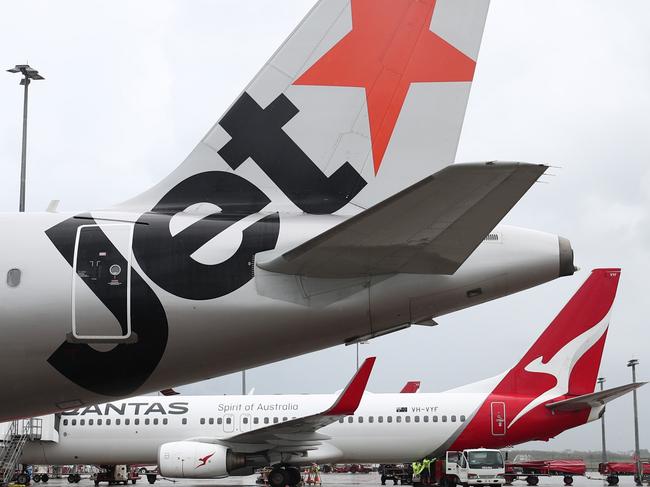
(337, 480)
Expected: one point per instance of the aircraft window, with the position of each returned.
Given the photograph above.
(416, 419)
(256, 420)
(389, 419)
(155, 420)
(380, 419)
(184, 420)
(266, 420)
(350, 419)
(164, 421)
(136, 421)
(244, 420)
(211, 420)
(275, 420)
(285, 418)
(65, 422)
(435, 419)
(108, 422)
(340, 420)
(398, 419)
(127, 421)
(462, 418)
(425, 418)
(90, 422)
(74, 422)
(228, 420)
(82, 422)
(371, 419)
(360, 419)
(444, 418)
(13, 277)
(219, 420)
(146, 421)
(202, 421)
(407, 419)
(99, 422)
(453, 418)
(118, 421)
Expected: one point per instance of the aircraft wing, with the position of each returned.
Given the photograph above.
(431, 227)
(588, 401)
(301, 434)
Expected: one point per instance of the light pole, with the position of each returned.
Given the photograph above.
(243, 382)
(29, 74)
(601, 381)
(639, 473)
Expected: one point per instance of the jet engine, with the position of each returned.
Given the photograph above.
(196, 460)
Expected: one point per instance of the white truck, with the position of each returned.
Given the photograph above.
(468, 467)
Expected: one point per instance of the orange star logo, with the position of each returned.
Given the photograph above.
(389, 47)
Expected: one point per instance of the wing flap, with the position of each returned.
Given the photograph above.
(431, 227)
(596, 399)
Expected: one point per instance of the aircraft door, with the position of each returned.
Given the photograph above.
(245, 422)
(228, 423)
(101, 283)
(498, 418)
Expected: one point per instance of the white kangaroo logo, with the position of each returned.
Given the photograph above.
(561, 365)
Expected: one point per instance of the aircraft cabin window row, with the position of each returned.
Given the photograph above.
(407, 419)
(117, 422)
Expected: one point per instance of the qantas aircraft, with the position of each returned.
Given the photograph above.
(321, 209)
(551, 389)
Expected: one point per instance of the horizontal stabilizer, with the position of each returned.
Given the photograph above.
(596, 399)
(431, 227)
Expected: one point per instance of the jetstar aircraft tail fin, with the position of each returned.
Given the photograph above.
(365, 98)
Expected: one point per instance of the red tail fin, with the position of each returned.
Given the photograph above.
(572, 345)
(562, 363)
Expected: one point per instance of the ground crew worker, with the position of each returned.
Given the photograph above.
(426, 471)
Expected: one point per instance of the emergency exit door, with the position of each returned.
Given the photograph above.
(101, 283)
(498, 414)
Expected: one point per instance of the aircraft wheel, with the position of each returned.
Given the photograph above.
(568, 480)
(278, 477)
(293, 476)
(612, 480)
(151, 478)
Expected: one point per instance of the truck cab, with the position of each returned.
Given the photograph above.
(474, 467)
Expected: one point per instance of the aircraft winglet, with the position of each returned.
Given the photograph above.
(349, 399)
(411, 387)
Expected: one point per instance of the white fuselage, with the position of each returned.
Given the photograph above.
(165, 339)
(385, 428)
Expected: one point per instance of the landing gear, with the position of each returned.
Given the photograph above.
(283, 476)
(278, 477)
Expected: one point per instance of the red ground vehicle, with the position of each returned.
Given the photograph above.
(613, 470)
(531, 470)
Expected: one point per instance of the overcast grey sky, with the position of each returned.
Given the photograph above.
(132, 86)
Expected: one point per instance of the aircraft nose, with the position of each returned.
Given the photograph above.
(567, 267)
